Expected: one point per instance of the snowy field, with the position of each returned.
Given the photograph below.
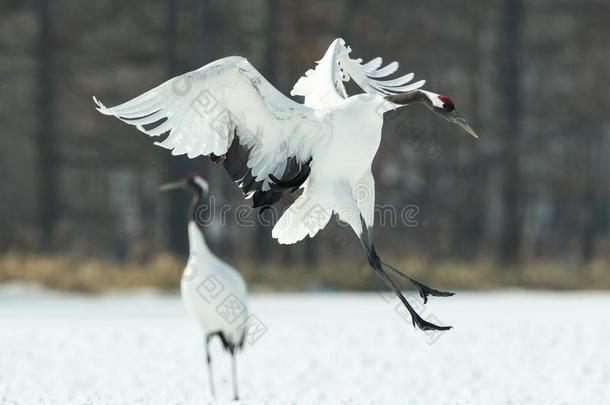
(506, 348)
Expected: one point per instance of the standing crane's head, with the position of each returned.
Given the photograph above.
(441, 105)
(200, 190)
(194, 182)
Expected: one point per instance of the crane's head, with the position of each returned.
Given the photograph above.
(441, 105)
(194, 182)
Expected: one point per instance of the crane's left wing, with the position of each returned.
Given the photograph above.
(228, 111)
(323, 85)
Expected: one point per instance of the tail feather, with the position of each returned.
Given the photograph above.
(307, 216)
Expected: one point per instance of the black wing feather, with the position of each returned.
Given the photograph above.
(235, 163)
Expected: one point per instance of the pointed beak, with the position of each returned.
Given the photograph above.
(461, 121)
(173, 185)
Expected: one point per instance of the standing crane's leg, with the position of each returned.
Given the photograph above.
(209, 361)
(234, 373)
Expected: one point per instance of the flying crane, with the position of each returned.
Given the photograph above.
(270, 144)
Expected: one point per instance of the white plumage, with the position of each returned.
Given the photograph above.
(213, 292)
(207, 282)
(228, 110)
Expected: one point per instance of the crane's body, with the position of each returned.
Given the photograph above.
(207, 281)
(213, 292)
(270, 144)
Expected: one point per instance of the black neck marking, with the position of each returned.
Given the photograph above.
(415, 96)
(198, 202)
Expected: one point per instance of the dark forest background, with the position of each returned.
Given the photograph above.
(533, 77)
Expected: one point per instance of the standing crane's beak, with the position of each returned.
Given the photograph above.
(456, 118)
(173, 185)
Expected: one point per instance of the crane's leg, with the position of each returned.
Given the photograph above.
(209, 361)
(234, 373)
(366, 237)
(364, 191)
(417, 320)
(424, 290)
(380, 268)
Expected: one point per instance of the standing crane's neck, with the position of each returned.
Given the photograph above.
(196, 217)
(198, 205)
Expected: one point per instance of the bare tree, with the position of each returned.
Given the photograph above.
(176, 166)
(47, 158)
(511, 78)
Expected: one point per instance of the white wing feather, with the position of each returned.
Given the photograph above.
(323, 86)
(203, 109)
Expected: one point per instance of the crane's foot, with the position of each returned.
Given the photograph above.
(416, 319)
(424, 290)
(382, 270)
(425, 325)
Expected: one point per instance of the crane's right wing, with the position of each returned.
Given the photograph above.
(323, 86)
(227, 110)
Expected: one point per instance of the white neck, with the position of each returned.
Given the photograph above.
(433, 97)
(197, 245)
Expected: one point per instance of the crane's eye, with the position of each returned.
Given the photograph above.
(447, 103)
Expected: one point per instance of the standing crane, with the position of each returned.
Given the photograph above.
(209, 286)
(270, 144)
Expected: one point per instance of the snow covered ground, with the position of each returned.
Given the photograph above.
(506, 348)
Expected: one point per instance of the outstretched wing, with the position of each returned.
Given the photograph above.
(228, 110)
(323, 85)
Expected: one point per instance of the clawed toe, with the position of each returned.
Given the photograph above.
(425, 291)
(425, 325)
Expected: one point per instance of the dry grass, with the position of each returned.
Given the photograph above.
(74, 274)
(163, 272)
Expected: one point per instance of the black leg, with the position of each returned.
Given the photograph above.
(234, 373)
(380, 269)
(209, 361)
(417, 320)
(424, 290)
(367, 241)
